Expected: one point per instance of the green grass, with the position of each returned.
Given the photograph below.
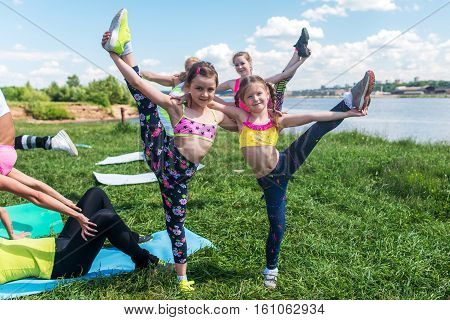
(366, 218)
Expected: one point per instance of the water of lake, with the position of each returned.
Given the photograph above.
(423, 120)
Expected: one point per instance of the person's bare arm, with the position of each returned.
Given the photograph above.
(294, 120)
(287, 73)
(164, 80)
(6, 221)
(43, 200)
(142, 85)
(42, 187)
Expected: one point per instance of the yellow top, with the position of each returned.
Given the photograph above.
(26, 258)
(257, 138)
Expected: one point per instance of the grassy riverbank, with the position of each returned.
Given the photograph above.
(366, 219)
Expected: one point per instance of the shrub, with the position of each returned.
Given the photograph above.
(47, 111)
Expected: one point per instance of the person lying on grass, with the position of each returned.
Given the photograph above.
(71, 254)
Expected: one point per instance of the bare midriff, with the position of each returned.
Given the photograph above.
(193, 149)
(7, 133)
(262, 160)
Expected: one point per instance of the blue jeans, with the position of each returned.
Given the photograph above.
(274, 184)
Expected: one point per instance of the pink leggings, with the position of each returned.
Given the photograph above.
(8, 158)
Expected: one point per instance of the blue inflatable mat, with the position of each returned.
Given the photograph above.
(109, 262)
(38, 221)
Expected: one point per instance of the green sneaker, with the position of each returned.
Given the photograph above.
(186, 286)
(120, 33)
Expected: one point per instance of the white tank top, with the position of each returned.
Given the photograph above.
(4, 109)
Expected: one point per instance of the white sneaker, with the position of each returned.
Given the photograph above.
(63, 142)
(270, 278)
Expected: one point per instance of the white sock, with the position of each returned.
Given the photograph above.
(348, 97)
(127, 49)
(181, 278)
(272, 272)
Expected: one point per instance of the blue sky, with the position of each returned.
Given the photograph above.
(166, 32)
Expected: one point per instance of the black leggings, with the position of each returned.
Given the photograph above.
(74, 255)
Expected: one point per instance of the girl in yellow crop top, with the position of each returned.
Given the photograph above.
(258, 135)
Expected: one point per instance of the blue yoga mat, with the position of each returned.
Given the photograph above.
(38, 221)
(109, 262)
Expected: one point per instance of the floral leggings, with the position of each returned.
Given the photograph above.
(171, 168)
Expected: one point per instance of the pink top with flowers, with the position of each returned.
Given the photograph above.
(187, 127)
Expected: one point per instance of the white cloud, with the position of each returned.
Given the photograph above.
(218, 54)
(35, 55)
(3, 70)
(374, 5)
(150, 62)
(19, 46)
(283, 32)
(17, 2)
(50, 68)
(319, 14)
(279, 27)
(92, 73)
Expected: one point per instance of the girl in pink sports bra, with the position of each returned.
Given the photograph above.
(242, 62)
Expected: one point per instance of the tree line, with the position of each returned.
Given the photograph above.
(103, 92)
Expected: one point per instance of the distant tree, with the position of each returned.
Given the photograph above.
(73, 81)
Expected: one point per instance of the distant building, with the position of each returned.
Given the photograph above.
(416, 79)
(409, 90)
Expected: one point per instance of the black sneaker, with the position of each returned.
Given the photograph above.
(140, 238)
(302, 44)
(361, 91)
(147, 260)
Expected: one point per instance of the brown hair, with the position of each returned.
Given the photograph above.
(189, 61)
(245, 82)
(244, 54)
(202, 68)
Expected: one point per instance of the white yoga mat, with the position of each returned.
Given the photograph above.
(124, 179)
(124, 158)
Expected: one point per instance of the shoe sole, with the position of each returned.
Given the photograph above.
(73, 148)
(362, 104)
(306, 36)
(114, 30)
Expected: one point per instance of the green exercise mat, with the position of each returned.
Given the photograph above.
(38, 221)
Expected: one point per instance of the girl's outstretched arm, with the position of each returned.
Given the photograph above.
(236, 114)
(294, 120)
(142, 85)
(164, 80)
(287, 73)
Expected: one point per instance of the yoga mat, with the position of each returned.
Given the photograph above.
(123, 179)
(124, 158)
(109, 262)
(38, 221)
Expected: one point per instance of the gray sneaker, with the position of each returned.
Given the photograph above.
(270, 278)
(63, 142)
(361, 91)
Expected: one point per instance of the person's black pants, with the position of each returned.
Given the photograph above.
(74, 255)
